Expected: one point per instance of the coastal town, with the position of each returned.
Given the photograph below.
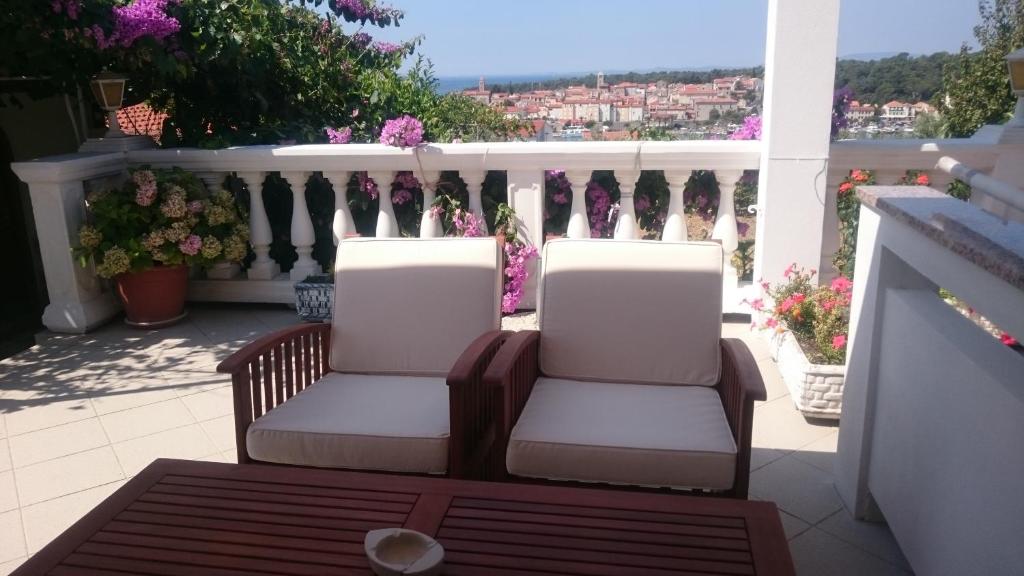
(621, 111)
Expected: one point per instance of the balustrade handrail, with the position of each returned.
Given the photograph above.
(686, 155)
(909, 154)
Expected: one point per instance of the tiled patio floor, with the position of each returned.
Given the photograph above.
(81, 414)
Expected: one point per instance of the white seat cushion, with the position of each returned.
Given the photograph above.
(674, 436)
(358, 421)
(667, 333)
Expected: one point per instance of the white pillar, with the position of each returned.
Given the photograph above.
(526, 197)
(725, 229)
(387, 224)
(79, 301)
(675, 221)
(430, 225)
(262, 268)
(302, 234)
(342, 225)
(474, 180)
(579, 221)
(214, 181)
(799, 77)
(626, 226)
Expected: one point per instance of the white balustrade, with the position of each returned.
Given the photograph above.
(725, 229)
(579, 221)
(302, 235)
(675, 220)
(214, 181)
(342, 225)
(262, 268)
(626, 227)
(387, 224)
(430, 224)
(474, 180)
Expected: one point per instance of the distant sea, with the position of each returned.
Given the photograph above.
(448, 84)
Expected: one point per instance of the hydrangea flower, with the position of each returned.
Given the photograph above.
(235, 248)
(145, 184)
(335, 136)
(211, 247)
(191, 245)
(174, 207)
(89, 237)
(115, 262)
(403, 132)
(195, 207)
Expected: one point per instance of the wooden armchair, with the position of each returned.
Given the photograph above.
(394, 383)
(642, 395)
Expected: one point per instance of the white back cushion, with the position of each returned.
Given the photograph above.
(411, 306)
(635, 311)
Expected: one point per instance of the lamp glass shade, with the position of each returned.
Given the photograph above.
(108, 89)
(1017, 76)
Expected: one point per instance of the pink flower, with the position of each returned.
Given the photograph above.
(403, 132)
(755, 304)
(191, 245)
(559, 198)
(195, 207)
(922, 180)
(845, 187)
(343, 136)
(790, 271)
(367, 185)
(859, 176)
(1007, 339)
(401, 197)
(842, 285)
(771, 323)
(839, 341)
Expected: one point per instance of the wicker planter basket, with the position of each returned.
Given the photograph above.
(816, 389)
(314, 298)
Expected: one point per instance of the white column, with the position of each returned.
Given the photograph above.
(474, 180)
(214, 181)
(579, 221)
(342, 225)
(626, 226)
(387, 224)
(79, 301)
(262, 268)
(799, 81)
(526, 197)
(675, 221)
(302, 234)
(726, 232)
(430, 225)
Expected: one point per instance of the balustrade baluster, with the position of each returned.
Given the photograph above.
(725, 229)
(675, 221)
(214, 181)
(387, 224)
(430, 225)
(342, 225)
(262, 268)
(626, 227)
(474, 180)
(302, 234)
(579, 222)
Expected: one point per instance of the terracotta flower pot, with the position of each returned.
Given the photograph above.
(154, 297)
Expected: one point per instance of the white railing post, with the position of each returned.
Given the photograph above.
(302, 234)
(262, 268)
(79, 301)
(474, 180)
(725, 229)
(430, 225)
(342, 225)
(526, 197)
(626, 226)
(387, 224)
(579, 221)
(675, 221)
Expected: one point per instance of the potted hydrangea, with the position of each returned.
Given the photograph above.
(808, 327)
(145, 235)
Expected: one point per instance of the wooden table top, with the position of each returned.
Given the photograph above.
(203, 518)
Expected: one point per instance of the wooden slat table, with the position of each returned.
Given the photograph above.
(206, 519)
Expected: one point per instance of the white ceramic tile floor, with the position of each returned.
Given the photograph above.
(80, 414)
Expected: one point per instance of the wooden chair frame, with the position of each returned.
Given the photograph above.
(270, 370)
(515, 368)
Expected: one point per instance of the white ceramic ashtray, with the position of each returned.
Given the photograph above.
(401, 552)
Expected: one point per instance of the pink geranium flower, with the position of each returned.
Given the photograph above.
(839, 341)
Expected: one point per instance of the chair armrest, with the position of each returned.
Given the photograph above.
(509, 380)
(471, 429)
(272, 369)
(740, 386)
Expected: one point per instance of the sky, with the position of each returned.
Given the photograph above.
(481, 37)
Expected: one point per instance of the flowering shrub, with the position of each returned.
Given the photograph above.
(848, 209)
(751, 129)
(817, 316)
(841, 100)
(518, 255)
(403, 132)
(161, 217)
(336, 136)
